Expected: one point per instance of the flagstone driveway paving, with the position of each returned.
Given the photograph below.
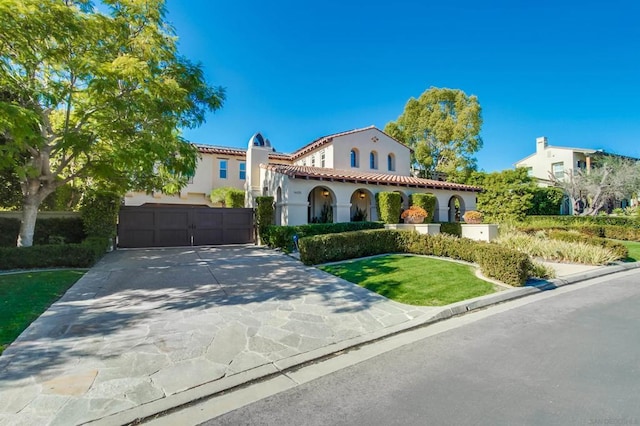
(146, 324)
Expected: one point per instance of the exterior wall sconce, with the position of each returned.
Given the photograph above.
(362, 195)
(325, 193)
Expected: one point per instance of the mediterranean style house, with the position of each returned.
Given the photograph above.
(334, 178)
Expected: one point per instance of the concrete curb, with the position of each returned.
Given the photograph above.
(209, 390)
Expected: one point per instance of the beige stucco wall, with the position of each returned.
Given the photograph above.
(338, 153)
(542, 161)
(206, 178)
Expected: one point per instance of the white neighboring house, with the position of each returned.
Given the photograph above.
(555, 160)
(339, 173)
(559, 161)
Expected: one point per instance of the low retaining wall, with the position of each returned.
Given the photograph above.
(480, 231)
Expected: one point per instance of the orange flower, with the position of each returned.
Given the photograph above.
(414, 212)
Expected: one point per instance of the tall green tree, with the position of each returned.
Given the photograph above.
(443, 128)
(98, 95)
(506, 195)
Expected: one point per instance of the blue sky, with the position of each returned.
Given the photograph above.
(296, 70)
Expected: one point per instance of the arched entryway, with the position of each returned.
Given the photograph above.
(361, 202)
(456, 209)
(321, 205)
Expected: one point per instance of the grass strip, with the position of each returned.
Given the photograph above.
(634, 250)
(25, 296)
(414, 280)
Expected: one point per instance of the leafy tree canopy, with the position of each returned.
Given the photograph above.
(96, 95)
(443, 128)
(506, 195)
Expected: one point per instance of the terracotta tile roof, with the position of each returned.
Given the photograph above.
(326, 139)
(353, 176)
(240, 152)
(221, 150)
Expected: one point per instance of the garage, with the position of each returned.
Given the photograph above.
(172, 226)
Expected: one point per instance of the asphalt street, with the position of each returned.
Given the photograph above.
(568, 356)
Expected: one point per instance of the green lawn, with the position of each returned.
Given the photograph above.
(634, 250)
(25, 296)
(414, 280)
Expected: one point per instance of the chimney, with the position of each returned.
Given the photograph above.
(541, 143)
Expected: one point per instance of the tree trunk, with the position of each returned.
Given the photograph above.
(28, 224)
(35, 193)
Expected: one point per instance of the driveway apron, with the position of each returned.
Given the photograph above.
(143, 325)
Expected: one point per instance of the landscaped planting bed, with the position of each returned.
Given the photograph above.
(506, 265)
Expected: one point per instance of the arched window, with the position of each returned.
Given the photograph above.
(391, 162)
(354, 158)
(373, 160)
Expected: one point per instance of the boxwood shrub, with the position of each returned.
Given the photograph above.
(81, 255)
(282, 236)
(348, 245)
(389, 205)
(451, 228)
(509, 266)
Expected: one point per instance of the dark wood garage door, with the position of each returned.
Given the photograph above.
(170, 226)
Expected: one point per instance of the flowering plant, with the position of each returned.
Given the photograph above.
(414, 214)
(472, 216)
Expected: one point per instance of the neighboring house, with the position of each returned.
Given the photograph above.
(559, 161)
(555, 160)
(336, 177)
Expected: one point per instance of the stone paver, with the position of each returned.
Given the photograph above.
(143, 325)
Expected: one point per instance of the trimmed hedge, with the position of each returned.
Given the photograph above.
(630, 221)
(619, 249)
(264, 215)
(54, 255)
(509, 266)
(282, 236)
(427, 202)
(389, 205)
(47, 231)
(451, 228)
(348, 245)
(601, 231)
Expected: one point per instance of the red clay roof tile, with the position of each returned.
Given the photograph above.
(305, 172)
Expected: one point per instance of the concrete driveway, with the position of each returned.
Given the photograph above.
(144, 326)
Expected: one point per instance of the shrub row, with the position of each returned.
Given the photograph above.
(348, 245)
(509, 266)
(632, 222)
(602, 231)
(49, 230)
(282, 236)
(81, 255)
(620, 250)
